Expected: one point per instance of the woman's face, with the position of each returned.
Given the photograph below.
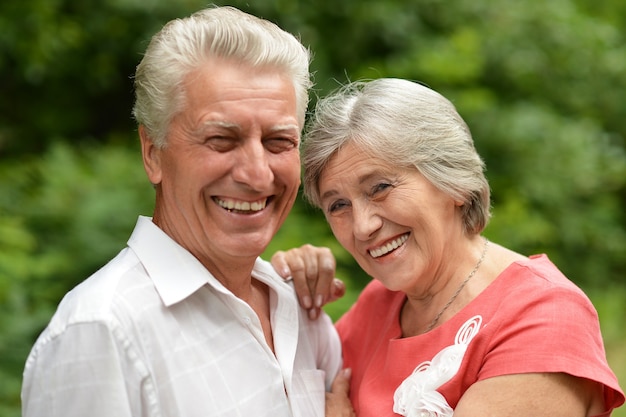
(400, 228)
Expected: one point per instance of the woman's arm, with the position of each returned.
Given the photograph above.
(532, 395)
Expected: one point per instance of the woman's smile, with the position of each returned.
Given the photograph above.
(389, 246)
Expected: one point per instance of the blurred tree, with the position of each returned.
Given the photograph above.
(66, 67)
(61, 217)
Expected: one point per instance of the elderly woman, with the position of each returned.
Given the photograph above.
(452, 323)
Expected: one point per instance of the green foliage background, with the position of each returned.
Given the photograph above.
(541, 85)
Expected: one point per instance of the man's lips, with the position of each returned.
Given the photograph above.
(241, 206)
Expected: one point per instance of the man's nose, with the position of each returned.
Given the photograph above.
(252, 167)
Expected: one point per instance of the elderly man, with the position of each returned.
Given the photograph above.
(187, 320)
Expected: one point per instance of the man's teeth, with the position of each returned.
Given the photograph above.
(242, 205)
(385, 249)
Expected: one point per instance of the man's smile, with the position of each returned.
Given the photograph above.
(241, 206)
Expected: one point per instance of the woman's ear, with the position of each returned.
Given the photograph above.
(151, 155)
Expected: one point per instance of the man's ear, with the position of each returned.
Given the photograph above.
(151, 155)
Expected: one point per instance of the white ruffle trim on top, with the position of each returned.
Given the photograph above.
(417, 396)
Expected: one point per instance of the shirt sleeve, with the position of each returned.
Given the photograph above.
(88, 369)
(329, 354)
(556, 331)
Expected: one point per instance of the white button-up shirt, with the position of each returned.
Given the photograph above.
(153, 333)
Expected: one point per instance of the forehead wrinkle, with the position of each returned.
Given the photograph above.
(368, 176)
(361, 179)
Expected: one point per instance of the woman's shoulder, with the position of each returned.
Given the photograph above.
(506, 264)
(537, 320)
(533, 286)
(538, 272)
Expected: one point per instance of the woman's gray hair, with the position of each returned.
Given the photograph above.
(407, 125)
(185, 45)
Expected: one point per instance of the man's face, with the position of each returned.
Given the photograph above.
(230, 171)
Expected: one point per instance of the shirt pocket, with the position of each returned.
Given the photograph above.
(308, 393)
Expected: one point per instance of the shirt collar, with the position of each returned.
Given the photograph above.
(176, 275)
(179, 274)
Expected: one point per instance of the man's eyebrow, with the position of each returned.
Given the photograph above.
(220, 123)
(285, 128)
(292, 128)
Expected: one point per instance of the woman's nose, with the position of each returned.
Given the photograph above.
(366, 221)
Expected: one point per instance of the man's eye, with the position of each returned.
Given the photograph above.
(220, 143)
(278, 145)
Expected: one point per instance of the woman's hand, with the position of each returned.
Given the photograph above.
(337, 401)
(312, 269)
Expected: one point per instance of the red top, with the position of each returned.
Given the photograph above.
(530, 319)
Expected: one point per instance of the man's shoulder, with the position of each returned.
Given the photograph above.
(265, 272)
(100, 297)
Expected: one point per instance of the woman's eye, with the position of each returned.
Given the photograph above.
(380, 187)
(337, 205)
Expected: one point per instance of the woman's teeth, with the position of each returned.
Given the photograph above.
(242, 205)
(385, 249)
